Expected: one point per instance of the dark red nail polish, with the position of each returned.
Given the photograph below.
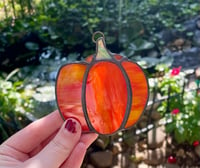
(71, 126)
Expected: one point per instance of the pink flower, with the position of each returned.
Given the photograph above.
(175, 111)
(171, 159)
(176, 71)
(195, 143)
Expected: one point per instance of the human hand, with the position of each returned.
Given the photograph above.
(43, 144)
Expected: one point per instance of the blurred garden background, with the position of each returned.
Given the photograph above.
(163, 36)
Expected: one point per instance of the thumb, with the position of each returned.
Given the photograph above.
(59, 148)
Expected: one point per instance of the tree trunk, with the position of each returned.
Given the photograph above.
(5, 9)
(13, 7)
(29, 7)
(22, 8)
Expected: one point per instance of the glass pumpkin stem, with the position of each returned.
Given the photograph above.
(101, 50)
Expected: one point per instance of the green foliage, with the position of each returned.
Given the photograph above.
(14, 102)
(185, 125)
(182, 110)
(125, 23)
(13, 97)
(132, 26)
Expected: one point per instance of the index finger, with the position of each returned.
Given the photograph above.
(32, 135)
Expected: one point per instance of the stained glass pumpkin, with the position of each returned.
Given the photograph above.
(106, 92)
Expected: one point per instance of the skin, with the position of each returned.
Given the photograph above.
(46, 143)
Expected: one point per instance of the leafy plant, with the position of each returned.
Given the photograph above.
(15, 101)
(62, 23)
(181, 109)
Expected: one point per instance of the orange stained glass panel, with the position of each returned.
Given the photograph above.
(106, 97)
(139, 87)
(69, 89)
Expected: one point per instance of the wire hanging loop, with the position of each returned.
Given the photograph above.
(96, 35)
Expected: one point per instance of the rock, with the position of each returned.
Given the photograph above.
(167, 165)
(143, 122)
(144, 118)
(187, 59)
(133, 165)
(166, 51)
(168, 151)
(196, 37)
(52, 76)
(101, 159)
(142, 145)
(180, 153)
(179, 42)
(189, 162)
(115, 149)
(136, 160)
(102, 142)
(187, 45)
(115, 161)
(139, 155)
(90, 166)
(122, 160)
(197, 150)
(190, 25)
(130, 139)
(198, 23)
(197, 73)
(156, 115)
(190, 158)
(143, 165)
(167, 36)
(155, 157)
(156, 137)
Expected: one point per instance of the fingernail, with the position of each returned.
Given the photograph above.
(71, 126)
